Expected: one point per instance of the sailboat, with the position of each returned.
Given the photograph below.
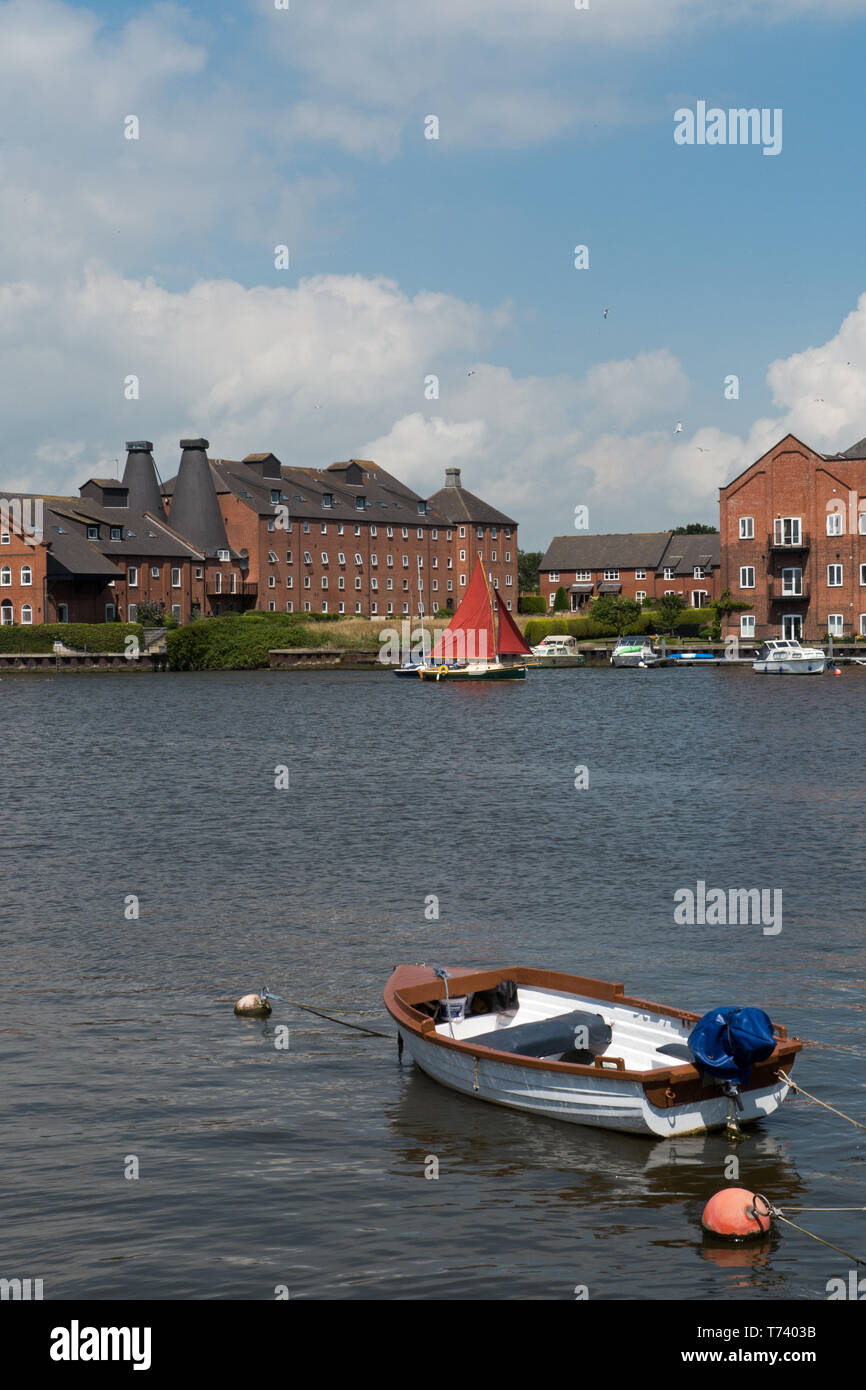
(477, 638)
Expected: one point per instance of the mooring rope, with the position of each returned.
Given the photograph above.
(371, 1032)
(799, 1089)
(776, 1212)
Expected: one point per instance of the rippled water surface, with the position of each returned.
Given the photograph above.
(305, 1167)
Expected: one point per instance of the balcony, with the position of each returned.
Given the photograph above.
(802, 544)
(239, 591)
(781, 593)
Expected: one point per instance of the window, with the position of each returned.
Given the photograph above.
(63, 613)
(405, 584)
(223, 555)
(463, 581)
(272, 582)
(552, 599)
(233, 582)
(360, 502)
(508, 557)
(358, 560)
(435, 534)
(308, 559)
(374, 583)
(340, 529)
(449, 563)
(358, 582)
(290, 607)
(670, 591)
(861, 523)
(26, 614)
(175, 579)
(450, 585)
(306, 533)
(110, 612)
(272, 557)
(288, 557)
(420, 533)
(611, 574)
(835, 624)
(494, 532)
(217, 582)
(116, 533)
(390, 584)
(374, 560)
(324, 528)
(324, 581)
(792, 583)
(641, 574)
(26, 575)
(272, 607)
(584, 575)
(699, 598)
(199, 572)
(341, 557)
(669, 573)
(480, 533)
(307, 584)
(405, 562)
(154, 571)
(462, 533)
(834, 576)
(132, 612)
(357, 607)
(480, 556)
(641, 594)
(463, 557)
(834, 523)
(5, 538)
(6, 617)
(307, 608)
(341, 582)
(508, 532)
(435, 585)
(747, 528)
(747, 624)
(324, 557)
(863, 624)
(405, 533)
(341, 607)
(290, 583)
(275, 496)
(863, 574)
(271, 525)
(390, 561)
(747, 576)
(390, 532)
(327, 499)
(93, 533)
(390, 608)
(447, 535)
(435, 562)
(508, 581)
(357, 530)
(698, 573)
(787, 530)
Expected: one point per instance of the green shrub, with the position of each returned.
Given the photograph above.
(531, 603)
(231, 643)
(92, 637)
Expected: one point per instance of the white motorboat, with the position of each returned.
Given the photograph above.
(636, 651)
(784, 656)
(575, 1049)
(557, 651)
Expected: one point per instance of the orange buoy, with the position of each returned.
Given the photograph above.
(736, 1213)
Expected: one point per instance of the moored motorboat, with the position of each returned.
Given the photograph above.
(636, 651)
(784, 656)
(577, 1049)
(556, 651)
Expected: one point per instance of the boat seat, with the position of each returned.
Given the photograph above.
(550, 1037)
(678, 1050)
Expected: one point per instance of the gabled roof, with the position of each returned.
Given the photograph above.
(632, 550)
(686, 553)
(458, 505)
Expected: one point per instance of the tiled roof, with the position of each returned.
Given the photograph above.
(633, 550)
(458, 505)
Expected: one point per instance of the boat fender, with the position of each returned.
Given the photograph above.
(736, 1214)
(253, 1006)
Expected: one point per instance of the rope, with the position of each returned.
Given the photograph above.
(799, 1089)
(371, 1032)
(774, 1211)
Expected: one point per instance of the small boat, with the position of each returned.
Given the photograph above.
(482, 640)
(557, 651)
(784, 656)
(636, 651)
(577, 1049)
(691, 658)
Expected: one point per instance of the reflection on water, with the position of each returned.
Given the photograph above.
(306, 1166)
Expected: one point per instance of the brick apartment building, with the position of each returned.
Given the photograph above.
(223, 536)
(639, 565)
(793, 530)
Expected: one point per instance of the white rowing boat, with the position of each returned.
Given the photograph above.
(573, 1049)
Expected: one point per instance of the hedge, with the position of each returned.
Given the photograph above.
(94, 637)
(531, 603)
(689, 624)
(231, 643)
(293, 617)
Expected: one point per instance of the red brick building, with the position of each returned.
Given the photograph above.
(793, 528)
(638, 565)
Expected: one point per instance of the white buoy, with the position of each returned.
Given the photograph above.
(253, 1006)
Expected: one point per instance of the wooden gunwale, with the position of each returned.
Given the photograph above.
(664, 1087)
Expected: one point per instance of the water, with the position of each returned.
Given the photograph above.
(305, 1168)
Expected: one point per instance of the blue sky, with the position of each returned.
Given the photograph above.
(409, 256)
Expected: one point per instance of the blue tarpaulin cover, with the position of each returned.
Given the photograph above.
(727, 1041)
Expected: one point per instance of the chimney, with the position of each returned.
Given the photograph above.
(139, 476)
(195, 509)
(452, 477)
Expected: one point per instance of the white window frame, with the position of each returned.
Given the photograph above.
(745, 571)
(747, 528)
(832, 581)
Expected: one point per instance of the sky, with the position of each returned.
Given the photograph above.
(431, 314)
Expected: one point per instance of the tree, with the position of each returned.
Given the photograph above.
(695, 528)
(721, 607)
(560, 602)
(668, 608)
(615, 611)
(527, 571)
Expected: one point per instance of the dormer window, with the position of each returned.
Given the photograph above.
(275, 495)
(327, 499)
(116, 533)
(93, 533)
(360, 503)
(422, 508)
(223, 555)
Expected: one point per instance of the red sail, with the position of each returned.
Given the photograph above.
(511, 640)
(469, 635)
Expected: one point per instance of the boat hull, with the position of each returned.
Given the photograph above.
(598, 1102)
(809, 667)
(547, 662)
(491, 673)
